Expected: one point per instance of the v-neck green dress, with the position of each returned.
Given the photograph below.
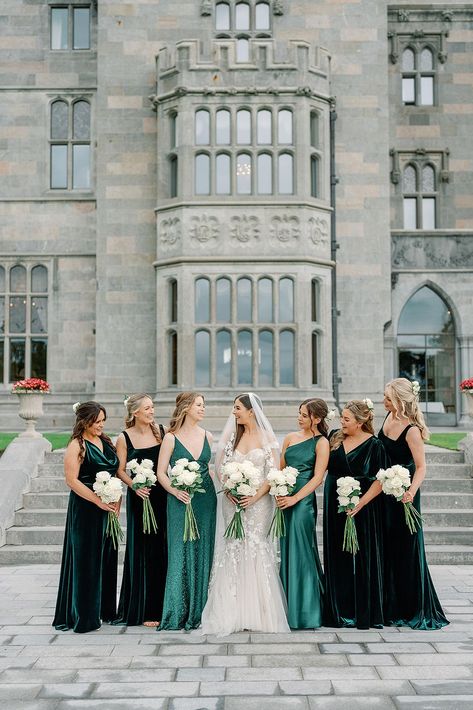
(87, 592)
(189, 563)
(301, 571)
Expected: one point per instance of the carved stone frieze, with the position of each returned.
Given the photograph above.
(205, 229)
(244, 228)
(286, 229)
(170, 232)
(432, 252)
(206, 7)
(278, 7)
(318, 231)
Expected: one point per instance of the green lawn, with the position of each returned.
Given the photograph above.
(447, 440)
(57, 440)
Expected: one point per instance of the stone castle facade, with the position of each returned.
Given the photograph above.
(233, 195)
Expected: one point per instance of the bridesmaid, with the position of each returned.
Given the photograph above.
(88, 578)
(301, 572)
(410, 597)
(354, 587)
(189, 563)
(144, 571)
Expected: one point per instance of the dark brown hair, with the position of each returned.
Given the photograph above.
(133, 404)
(246, 402)
(317, 408)
(86, 414)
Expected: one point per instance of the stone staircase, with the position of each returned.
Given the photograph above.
(447, 506)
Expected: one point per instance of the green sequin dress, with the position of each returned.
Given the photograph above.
(189, 563)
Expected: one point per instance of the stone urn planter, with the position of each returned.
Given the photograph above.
(30, 393)
(469, 401)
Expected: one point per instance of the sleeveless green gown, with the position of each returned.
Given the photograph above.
(301, 571)
(354, 583)
(87, 593)
(410, 598)
(144, 567)
(189, 563)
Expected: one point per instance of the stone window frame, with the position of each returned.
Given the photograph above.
(27, 336)
(70, 142)
(418, 159)
(254, 326)
(253, 148)
(71, 6)
(417, 74)
(252, 31)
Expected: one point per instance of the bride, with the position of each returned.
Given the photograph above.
(245, 590)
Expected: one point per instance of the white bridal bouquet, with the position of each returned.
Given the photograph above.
(185, 476)
(109, 490)
(395, 481)
(282, 483)
(348, 492)
(240, 479)
(144, 477)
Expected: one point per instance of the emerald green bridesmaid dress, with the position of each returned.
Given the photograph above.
(301, 571)
(410, 598)
(354, 583)
(145, 564)
(189, 563)
(87, 592)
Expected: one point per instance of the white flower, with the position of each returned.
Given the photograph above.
(151, 478)
(177, 470)
(132, 465)
(331, 415)
(342, 500)
(282, 491)
(140, 478)
(125, 402)
(187, 478)
(193, 466)
(182, 462)
(415, 388)
(147, 463)
(102, 476)
(344, 490)
(75, 407)
(230, 468)
(355, 499)
(369, 403)
(236, 477)
(245, 490)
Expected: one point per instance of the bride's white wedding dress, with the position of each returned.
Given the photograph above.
(245, 591)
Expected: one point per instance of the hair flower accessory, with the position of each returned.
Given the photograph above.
(331, 415)
(125, 401)
(415, 388)
(75, 407)
(369, 403)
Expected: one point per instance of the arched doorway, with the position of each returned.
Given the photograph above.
(426, 353)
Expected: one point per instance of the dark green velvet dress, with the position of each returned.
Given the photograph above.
(189, 563)
(301, 571)
(410, 598)
(144, 568)
(354, 583)
(87, 592)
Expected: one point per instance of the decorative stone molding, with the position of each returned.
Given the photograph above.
(421, 156)
(318, 231)
(244, 228)
(170, 232)
(278, 7)
(286, 229)
(206, 7)
(432, 251)
(205, 229)
(417, 38)
(430, 14)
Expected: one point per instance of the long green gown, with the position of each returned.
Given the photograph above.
(410, 598)
(87, 591)
(354, 583)
(145, 564)
(189, 563)
(301, 571)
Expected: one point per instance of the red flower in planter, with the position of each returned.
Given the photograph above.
(31, 384)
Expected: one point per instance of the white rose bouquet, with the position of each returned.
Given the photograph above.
(185, 476)
(348, 492)
(109, 490)
(282, 483)
(240, 479)
(395, 481)
(144, 477)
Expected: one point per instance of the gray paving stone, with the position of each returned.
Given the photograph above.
(400, 647)
(66, 690)
(201, 649)
(227, 661)
(283, 661)
(351, 703)
(359, 636)
(463, 647)
(19, 691)
(342, 673)
(341, 648)
(30, 675)
(33, 704)
(437, 659)
(201, 674)
(166, 662)
(73, 662)
(239, 688)
(266, 648)
(267, 674)
(444, 687)
(432, 702)
(131, 675)
(63, 651)
(113, 704)
(196, 704)
(16, 662)
(32, 639)
(425, 672)
(135, 650)
(309, 636)
(240, 637)
(305, 687)
(372, 687)
(7, 651)
(274, 703)
(96, 639)
(146, 690)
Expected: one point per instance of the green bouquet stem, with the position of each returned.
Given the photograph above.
(191, 531)
(277, 528)
(149, 519)
(235, 528)
(414, 519)
(114, 530)
(350, 538)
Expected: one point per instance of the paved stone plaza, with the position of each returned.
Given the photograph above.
(138, 669)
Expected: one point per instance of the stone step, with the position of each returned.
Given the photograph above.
(40, 535)
(449, 554)
(447, 470)
(447, 485)
(444, 456)
(37, 554)
(44, 484)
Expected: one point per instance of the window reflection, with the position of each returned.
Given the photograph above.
(243, 50)
(202, 358)
(286, 357)
(222, 174)
(265, 301)
(242, 16)
(244, 301)
(202, 174)
(202, 301)
(243, 174)
(262, 16)
(245, 358)
(286, 300)
(202, 127)
(264, 127)
(222, 16)
(224, 302)
(286, 174)
(265, 174)
(223, 127)
(224, 358)
(265, 358)
(285, 126)
(243, 127)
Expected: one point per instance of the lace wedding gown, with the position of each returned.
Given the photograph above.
(245, 590)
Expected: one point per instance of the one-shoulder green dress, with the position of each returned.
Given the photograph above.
(189, 563)
(87, 592)
(301, 571)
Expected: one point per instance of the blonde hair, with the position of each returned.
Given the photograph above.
(133, 404)
(184, 402)
(406, 404)
(363, 415)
